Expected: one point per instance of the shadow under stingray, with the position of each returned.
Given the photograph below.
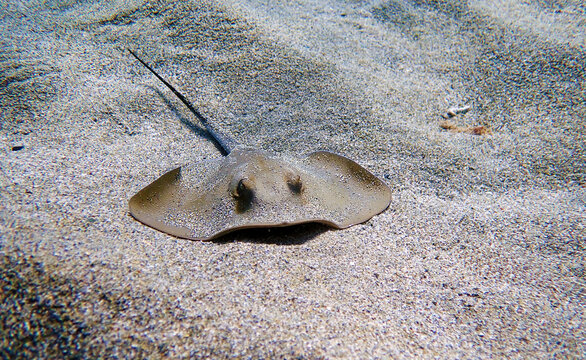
(283, 235)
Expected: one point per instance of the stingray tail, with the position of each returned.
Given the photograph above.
(217, 137)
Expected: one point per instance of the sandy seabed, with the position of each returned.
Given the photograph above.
(481, 253)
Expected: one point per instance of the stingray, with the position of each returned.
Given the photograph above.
(252, 188)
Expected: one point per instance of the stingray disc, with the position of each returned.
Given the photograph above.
(251, 188)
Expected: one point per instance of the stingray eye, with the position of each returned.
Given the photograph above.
(243, 193)
(294, 183)
(244, 189)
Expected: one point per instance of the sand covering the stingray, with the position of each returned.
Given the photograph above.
(198, 201)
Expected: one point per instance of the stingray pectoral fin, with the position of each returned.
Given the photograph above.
(350, 192)
(153, 204)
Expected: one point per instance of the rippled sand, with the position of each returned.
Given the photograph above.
(481, 253)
